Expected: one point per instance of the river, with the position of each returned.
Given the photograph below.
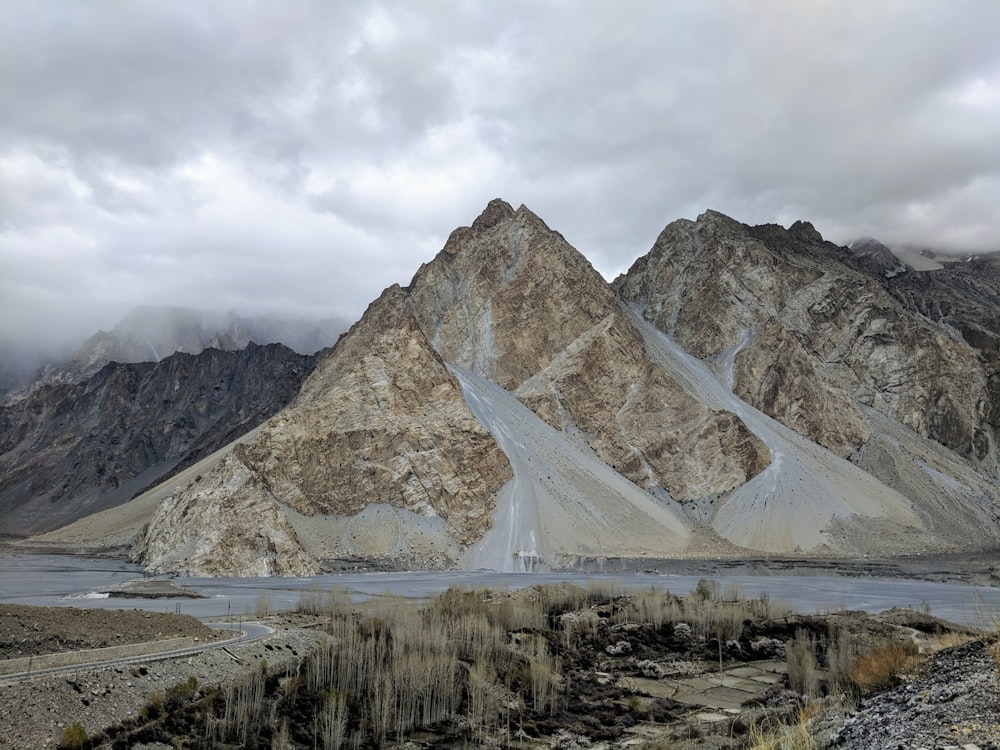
(62, 580)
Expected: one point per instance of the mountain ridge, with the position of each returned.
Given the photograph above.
(727, 377)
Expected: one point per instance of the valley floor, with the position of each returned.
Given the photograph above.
(555, 666)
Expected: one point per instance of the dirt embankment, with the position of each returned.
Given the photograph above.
(30, 631)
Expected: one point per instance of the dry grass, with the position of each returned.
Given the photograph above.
(396, 665)
(488, 662)
(883, 666)
(800, 654)
(993, 646)
(946, 640)
(768, 735)
(710, 612)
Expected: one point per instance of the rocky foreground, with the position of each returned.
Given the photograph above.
(554, 666)
(954, 701)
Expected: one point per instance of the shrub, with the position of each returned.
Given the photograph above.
(154, 706)
(800, 654)
(74, 736)
(706, 590)
(883, 666)
(181, 693)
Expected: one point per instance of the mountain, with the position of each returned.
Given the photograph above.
(150, 334)
(963, 296)
(67, 450)
(741, 390)
(809, 340)
(877, 259)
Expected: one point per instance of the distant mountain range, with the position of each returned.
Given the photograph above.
(163, 388)
(150, 334)
(739, 391)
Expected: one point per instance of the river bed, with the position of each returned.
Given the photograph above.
(63, 580)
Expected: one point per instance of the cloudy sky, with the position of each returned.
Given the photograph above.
(300, 156)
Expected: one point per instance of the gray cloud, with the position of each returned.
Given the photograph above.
(301, 157)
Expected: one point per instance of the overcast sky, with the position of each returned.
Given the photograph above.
(300, 156)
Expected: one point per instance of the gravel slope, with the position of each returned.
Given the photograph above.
(563, 502)
(956, 703)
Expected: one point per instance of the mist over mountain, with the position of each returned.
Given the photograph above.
(152, 333)
(741, 390)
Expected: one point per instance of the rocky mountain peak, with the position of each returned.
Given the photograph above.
(496, 211)
(716, 222)
(751, 383)
(502, 297)
(876, 258)
(804, 230)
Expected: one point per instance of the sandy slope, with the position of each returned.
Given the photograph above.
(563, 501)
(794, 503)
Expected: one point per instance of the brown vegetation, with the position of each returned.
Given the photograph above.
(883, 666)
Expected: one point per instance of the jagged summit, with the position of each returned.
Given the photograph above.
(876, 258)
(496, 211)
(805, 337)
(712, 218)
(483, 299)
(805, 230)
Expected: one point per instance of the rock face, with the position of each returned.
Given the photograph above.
(380, 421)
(806, 338)
(222, 525)
(73, 449)
(386, 424)
(510, 300)
(965, 298)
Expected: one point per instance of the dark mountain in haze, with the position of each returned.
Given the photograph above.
(150, 334)
(875, 258)
(70, 449)
(965, 296)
